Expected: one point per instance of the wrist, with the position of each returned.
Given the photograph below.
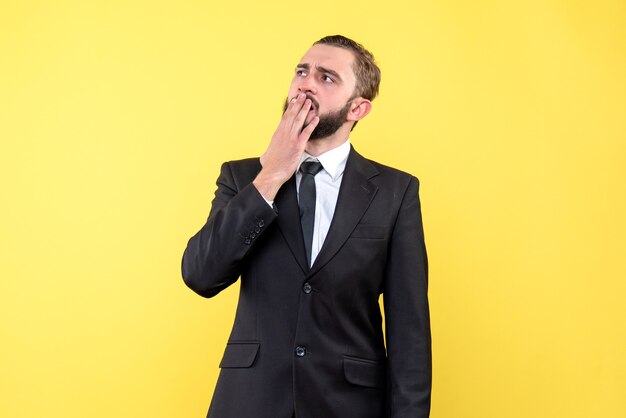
(268, 184)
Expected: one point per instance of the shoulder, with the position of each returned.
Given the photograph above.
(243, 165)
(388, 176)
(396, 187)
(392, 171)
(241, 171)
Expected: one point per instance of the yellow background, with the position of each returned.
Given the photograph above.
(116, 115)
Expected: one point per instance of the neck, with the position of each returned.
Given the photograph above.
(319, 146)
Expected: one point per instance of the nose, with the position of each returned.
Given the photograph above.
(307, 86)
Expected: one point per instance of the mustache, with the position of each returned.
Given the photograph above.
(315, 102)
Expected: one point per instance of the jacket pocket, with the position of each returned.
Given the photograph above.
(364, 372)
(239, 354)
(369, 232)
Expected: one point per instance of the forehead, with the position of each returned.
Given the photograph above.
(331, 57)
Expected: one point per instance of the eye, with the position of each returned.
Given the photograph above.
(327, 79)
(300, 73)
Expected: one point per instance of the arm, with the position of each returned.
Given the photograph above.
(213, 258)
(407, 319)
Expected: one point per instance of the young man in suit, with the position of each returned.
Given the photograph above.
(317, 232)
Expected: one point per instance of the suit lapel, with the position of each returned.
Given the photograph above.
(289, 221)
(355, 195)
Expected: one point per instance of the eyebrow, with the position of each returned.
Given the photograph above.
(321, 69)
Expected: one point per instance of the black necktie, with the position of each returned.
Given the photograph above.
(307, 202)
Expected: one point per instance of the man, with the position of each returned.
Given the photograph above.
(317, 232)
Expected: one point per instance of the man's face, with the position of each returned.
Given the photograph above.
(325, 75)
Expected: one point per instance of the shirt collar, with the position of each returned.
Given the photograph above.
(333, 161)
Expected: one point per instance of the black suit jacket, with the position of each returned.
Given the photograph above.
(311, 340)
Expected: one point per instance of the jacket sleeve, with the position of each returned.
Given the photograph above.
(214, 256)
(407, 318)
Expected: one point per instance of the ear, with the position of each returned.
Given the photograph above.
(359, 109)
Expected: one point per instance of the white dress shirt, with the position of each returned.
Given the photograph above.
(327, 183)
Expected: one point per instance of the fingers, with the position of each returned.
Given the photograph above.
(306, 132)
(300, 117)
(295, 115)
(295, 104)
(293, 107)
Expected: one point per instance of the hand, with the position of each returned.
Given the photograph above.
(283, 154)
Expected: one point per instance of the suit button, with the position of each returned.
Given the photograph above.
(257, 229)
(248, 241)
(300, 351)
(261, 223)
(252, 235)
(307, 288)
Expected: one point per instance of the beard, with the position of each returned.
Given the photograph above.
(329, 122)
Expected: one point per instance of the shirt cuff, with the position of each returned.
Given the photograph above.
(269, 202)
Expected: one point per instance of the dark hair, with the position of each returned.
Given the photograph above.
(365, 69)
